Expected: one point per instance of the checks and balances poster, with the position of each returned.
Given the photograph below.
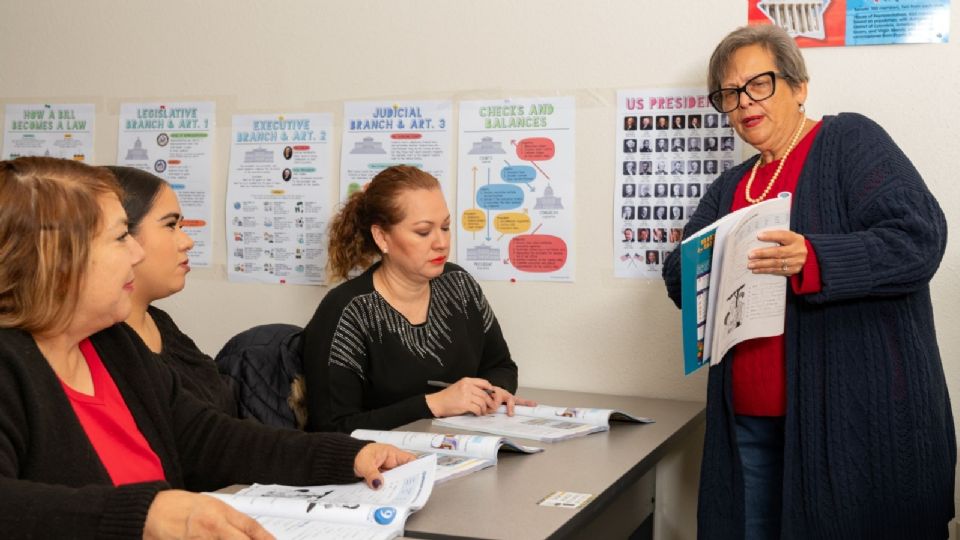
(278, 198)
(515, 189)
(839, 23)
(60, 131)
(670, 146)
(174, 141)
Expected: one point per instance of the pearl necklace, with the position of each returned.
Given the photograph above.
(756, 165)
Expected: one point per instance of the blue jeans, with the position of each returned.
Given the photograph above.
(760, 441)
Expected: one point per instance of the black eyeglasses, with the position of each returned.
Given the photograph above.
(758, 88)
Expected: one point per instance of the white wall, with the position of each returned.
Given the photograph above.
(599, 334)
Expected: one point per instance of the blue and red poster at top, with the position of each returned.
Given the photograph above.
(840, 23)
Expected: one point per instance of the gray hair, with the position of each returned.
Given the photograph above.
(773, 39)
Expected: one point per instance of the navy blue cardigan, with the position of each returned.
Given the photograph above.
(870, 450)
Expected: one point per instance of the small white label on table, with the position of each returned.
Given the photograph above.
(566, 499)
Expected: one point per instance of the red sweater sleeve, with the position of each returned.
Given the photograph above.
(807, 280)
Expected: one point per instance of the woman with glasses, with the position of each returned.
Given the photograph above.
(841, 427)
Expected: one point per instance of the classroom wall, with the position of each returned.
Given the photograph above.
(598, 334)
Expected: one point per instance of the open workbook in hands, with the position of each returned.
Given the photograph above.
(541, 423)
(723, 302)
(352, 511)
(457, 455)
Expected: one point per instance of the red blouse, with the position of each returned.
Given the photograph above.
(759, 371)
(112, 431)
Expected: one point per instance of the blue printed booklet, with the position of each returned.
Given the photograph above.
(724, 303)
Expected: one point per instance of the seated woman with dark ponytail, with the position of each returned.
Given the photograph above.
(154, 219)
(377, 339)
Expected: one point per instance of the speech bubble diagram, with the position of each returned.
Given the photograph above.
(512, 222)
(518, 174)
(499, 197)
(538, 253)
(473, 220)
(536, 149)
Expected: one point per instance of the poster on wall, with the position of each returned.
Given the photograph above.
(670, 146)
(839, 23)
(379, 134)
(515, 195)
(175, 142)
(278, 198)
(60, 131)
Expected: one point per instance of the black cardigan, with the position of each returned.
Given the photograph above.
(53, 484)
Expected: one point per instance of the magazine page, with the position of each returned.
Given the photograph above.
(596, 417)
(748, 305)
(476, 446)
(299, 529)
(525, 427)
(404, 489)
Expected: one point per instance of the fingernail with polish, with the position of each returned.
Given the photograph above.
(376, 483)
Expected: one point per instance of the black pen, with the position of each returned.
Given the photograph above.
(441, 384)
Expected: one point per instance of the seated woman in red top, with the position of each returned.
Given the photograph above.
(841, 427)
(98, 439)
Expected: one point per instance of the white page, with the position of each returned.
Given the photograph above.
(750, 305)
(298, 529)
(597, 417)
(477, 446)
(526, 427)
(404, 489)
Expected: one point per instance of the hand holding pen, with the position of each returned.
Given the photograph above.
(471, 395)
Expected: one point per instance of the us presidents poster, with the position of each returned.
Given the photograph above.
(670, 145)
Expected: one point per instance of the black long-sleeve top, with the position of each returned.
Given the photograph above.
(198, 372)
(53, 484)
(366, 366)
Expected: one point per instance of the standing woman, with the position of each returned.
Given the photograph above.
(154, 219)
(411, 317)
(841, 427)
(97, 439)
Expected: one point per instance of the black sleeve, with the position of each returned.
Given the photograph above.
(217, 450)
(335, 391)
(496, 364)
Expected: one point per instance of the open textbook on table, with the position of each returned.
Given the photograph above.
(723, 302)
(541, 423)
(352, 511)
(457, 455)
